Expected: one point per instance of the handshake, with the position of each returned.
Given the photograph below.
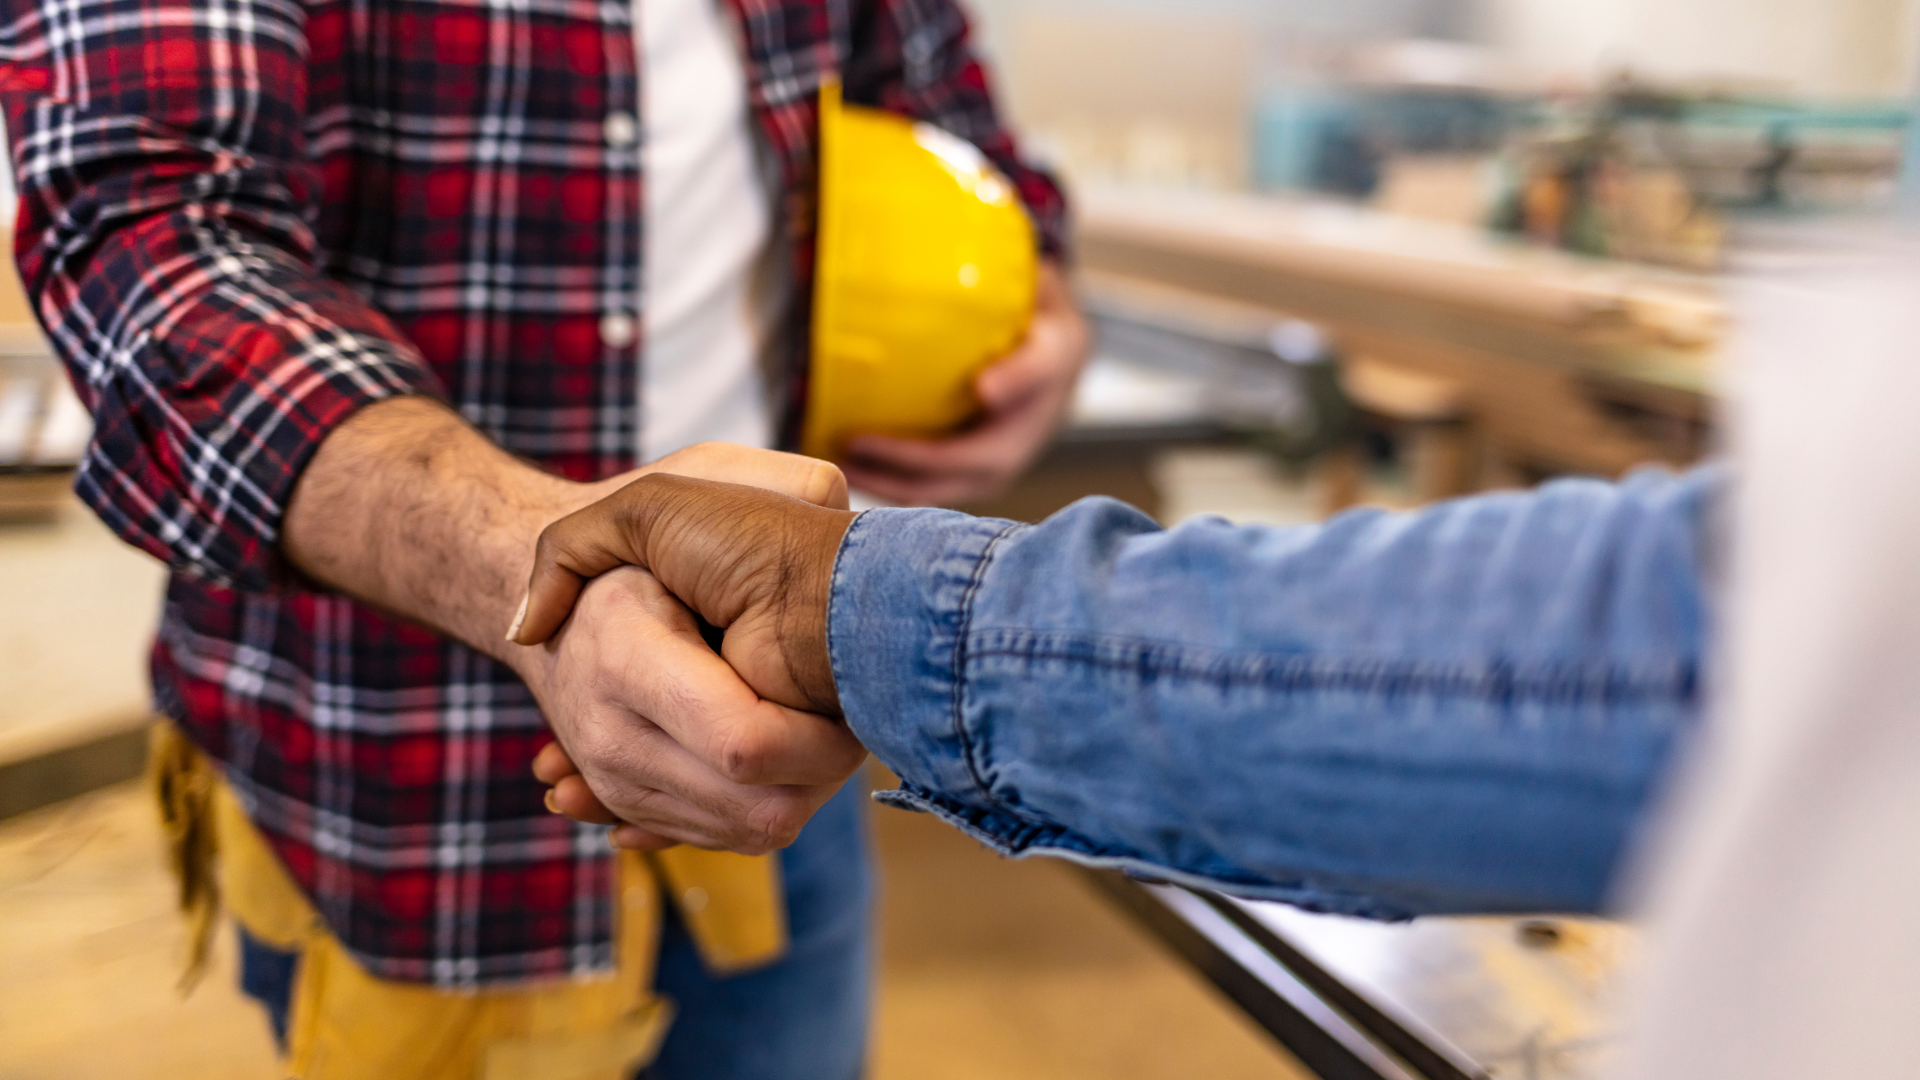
(659, 735)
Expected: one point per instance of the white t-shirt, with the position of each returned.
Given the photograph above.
(714, 286)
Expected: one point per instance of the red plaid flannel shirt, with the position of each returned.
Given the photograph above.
(242, 220)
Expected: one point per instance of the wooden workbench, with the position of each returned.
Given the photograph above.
(1566, 364)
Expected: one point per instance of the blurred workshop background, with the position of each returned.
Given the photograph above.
(1337, 252)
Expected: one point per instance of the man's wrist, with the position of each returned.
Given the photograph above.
(805, 599)
(407, 507)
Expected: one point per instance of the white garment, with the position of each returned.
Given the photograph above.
(712, 297)
(1786, 908)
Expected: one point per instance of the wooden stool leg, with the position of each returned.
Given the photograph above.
(1443, 460)
(1339, 476)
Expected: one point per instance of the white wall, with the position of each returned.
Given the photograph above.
(1818, 47)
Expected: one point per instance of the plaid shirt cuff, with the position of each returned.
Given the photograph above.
(205, 418)
(228, 533)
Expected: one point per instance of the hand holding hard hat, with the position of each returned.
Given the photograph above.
(931, 309)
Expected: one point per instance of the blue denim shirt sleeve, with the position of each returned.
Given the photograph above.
(1463, 708)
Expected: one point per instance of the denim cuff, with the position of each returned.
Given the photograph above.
(903, 586)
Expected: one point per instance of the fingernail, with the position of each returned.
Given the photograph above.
(553, 805)
(513, 632)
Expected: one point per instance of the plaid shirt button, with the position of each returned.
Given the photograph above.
(620, 128)
(618, 330)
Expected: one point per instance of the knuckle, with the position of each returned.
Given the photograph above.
(776, 821)
(745, 753)
(747, 842)
(645, 804)
(851, 755)
(546, 549)
(649, 497)
(591, 746)
(827, 483)
(614, 749)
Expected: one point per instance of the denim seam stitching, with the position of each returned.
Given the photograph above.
(960, 657)
(1499, 681)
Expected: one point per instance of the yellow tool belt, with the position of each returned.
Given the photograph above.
(348, 1025)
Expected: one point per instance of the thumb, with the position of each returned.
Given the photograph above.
(601, 537)
(582, 545)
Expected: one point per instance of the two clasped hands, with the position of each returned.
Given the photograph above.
(408, 508)
(659, 735)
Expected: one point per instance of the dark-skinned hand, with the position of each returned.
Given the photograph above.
(754, 563)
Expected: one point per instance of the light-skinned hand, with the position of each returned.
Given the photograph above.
(1022, 396)
(670, 737)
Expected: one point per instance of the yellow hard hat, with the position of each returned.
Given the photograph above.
(924, 273)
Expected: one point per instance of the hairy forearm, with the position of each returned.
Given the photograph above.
(409, 508)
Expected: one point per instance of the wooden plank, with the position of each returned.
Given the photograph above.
(33, 496)
(1347, 265)
(1526, 384)
(66, 771)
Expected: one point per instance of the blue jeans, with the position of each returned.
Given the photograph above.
(803, 1018)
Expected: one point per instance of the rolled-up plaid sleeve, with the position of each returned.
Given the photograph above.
(915, 57)
(165, 242)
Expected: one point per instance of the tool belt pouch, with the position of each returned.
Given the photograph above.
(346, 1024)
